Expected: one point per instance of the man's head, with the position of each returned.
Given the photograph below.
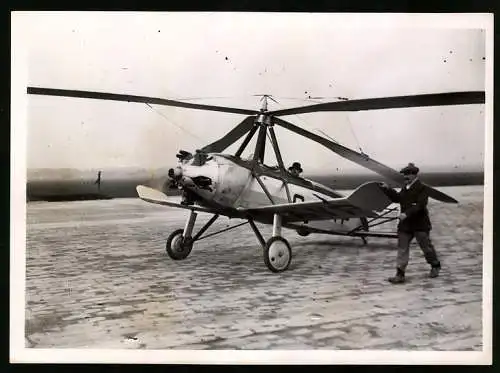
(295, 169)
(409, 172)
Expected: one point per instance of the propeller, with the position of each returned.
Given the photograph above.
(358, 158)
(132, 98)
(231, 137)
(435, 99)
(168, 184)
(163, 182)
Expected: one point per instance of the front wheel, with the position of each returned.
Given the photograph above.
(178, 247)
(277, 254)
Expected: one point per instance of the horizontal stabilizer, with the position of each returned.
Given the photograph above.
(363, 202)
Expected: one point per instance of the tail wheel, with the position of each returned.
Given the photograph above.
(364, 223)
(178, 247)
(304, 232)
(277, 254)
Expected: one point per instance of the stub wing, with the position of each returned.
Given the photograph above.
(155, 196)
(365, 201)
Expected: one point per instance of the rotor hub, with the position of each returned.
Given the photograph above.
(264, 119)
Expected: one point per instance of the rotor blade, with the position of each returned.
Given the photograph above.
(358, 158)
(435, 99)
(438, 195)
(132, 98)
(231, 137)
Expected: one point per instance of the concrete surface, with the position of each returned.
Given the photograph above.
(97, 276)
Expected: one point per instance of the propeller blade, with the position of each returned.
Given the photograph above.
(132, 98)
(435, 99)
(231, 137)
(165, 184)
(358, 158)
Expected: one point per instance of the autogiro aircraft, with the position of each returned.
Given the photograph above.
(228, 185)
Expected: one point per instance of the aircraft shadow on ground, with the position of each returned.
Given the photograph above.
(300, 250)
(354, 243)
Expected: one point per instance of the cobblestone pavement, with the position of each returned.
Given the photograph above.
(98, 277)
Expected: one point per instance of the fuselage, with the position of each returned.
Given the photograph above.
(228, 182)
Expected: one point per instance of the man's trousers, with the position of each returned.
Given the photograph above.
(425, 243)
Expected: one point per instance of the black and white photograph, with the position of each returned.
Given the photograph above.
(294, 188)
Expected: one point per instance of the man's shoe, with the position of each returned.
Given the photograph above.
(434, 272)
(398, 279)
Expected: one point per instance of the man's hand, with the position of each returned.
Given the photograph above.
(402, 216)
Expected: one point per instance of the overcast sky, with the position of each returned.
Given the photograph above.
(225, 59)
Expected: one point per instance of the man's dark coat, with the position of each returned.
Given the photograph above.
(413, 203)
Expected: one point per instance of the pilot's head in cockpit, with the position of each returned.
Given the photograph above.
(295, 169)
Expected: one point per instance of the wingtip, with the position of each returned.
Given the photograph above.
(140, 188)
(143, 191)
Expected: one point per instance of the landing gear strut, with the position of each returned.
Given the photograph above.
(180, 242)
(276, 251)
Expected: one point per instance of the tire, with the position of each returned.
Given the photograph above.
(277, 254)
(178, 247)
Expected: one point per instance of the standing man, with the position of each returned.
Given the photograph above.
(98, 181)
(414, 222)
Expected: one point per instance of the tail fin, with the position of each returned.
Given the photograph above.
(370, 196)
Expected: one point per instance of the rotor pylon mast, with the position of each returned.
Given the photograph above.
(261, 124)
(263, 121)
(265, 126)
